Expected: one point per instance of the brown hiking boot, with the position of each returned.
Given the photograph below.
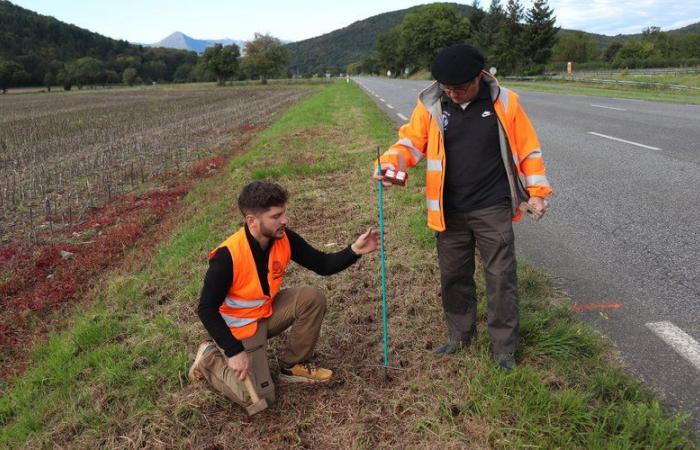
(305, 373)
(204, 348)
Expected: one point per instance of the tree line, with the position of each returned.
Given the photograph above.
(37, 50)
(265, 57)
(653, 48)
(519, 42)
(512, 39)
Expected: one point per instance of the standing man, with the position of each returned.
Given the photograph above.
(243, 294)
(483, 162)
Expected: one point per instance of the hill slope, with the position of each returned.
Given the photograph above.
(43, 45)
(335, 50)
(692, 28)
(24, 32)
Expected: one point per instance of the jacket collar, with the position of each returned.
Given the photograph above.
(430, 96)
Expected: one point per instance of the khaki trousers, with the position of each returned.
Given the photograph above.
(491, 231)
(302, 309)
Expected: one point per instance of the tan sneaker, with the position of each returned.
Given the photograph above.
(205, 347)
(305, 373)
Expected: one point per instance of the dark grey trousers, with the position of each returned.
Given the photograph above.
(491, 230)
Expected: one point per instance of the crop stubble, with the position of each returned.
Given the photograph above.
(89, 172)
(61, 155)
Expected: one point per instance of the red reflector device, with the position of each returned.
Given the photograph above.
(395, 176)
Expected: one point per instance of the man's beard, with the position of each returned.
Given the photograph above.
(272, 233)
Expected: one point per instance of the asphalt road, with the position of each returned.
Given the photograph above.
(622, 237)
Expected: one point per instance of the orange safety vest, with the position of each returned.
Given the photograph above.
(423, 137)
(245, 302)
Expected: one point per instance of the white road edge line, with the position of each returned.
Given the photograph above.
(681, 342)
(623, 140)
(382, 100)
(401, 116)
(389, 106)
(376, 95)
(608, 107)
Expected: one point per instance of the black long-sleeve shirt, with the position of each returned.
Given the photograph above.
(219, 277)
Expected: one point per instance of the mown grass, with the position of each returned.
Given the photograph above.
(599, 90)
(686, 79)
(117, 377)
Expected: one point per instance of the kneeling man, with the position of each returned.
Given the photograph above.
(242, 303)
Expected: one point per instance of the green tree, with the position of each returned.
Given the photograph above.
(220, 61)
(129, 76)
(541, 33)
(111, 77)
(634, 51)
(574, 47)
(10, 74)
(183, 73)
(154, 70)
(661, 41)
(49, 80)
(688, 46)
(477, 21)
(67, 76)
(265, 57)
(370, 65)
(611, 51)
(508, 52)
(88, 70)
(388, 51)
(492, 23)
(425, 31)
(121, 62)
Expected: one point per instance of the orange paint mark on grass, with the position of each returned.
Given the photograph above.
(595, 306)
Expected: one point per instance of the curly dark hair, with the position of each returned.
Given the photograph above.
(259, 196)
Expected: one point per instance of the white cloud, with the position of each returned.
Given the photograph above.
(613, 17)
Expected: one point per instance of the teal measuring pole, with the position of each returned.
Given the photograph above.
(385, 323)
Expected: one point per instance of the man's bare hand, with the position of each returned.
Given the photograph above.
(366, 243)
(378, 176)
(240, 364)
(538, 204)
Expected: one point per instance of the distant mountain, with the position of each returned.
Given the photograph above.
(181, 41)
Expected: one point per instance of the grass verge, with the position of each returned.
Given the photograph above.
(116, 377)
(598, 90)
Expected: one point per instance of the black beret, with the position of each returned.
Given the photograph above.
(457, 64)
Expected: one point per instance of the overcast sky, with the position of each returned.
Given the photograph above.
(148, 21)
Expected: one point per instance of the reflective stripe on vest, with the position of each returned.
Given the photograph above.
(406, 142)
(401, 159)
(434, 165)
(433, 205)
(539, 180)
(536, 153)
(235, 322)
(504, 98)
(241, 303)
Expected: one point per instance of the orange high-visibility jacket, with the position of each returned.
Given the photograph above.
(245, 302)
(423, 137)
